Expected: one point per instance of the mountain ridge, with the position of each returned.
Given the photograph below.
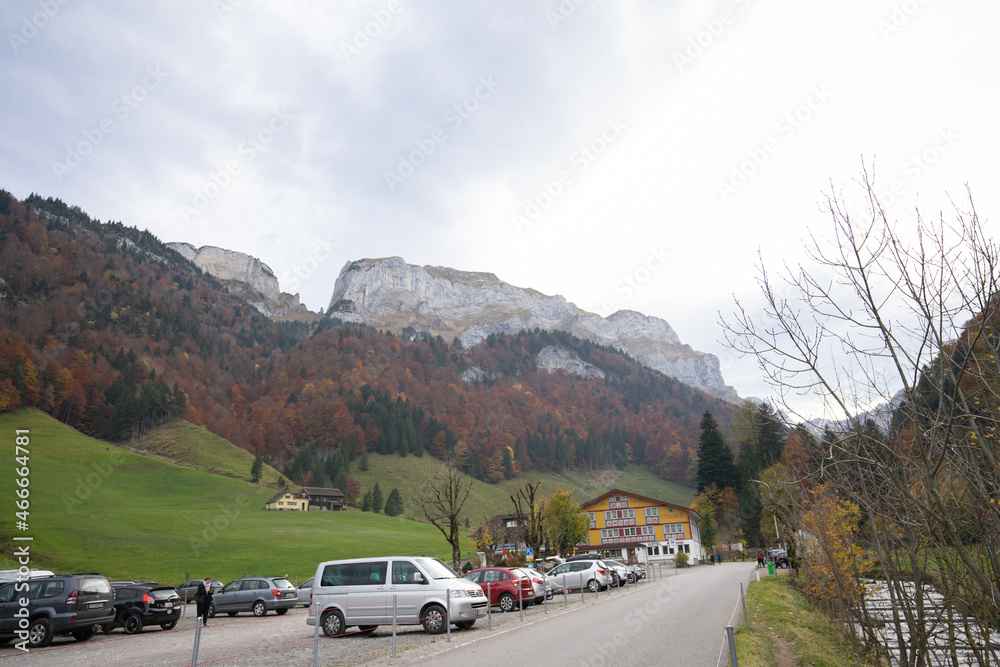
(391, 294)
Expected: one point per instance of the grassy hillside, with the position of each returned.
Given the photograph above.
(186, 444)
(97, 507)
(410, 474)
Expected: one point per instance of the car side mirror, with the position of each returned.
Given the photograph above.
(418, 578)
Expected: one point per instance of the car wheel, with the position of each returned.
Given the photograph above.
(132, 624)
(280, 612)
(464, 625)
(593, 586)
(169, 625)
(211, 610)
(367, 628)
(333, 623)
(85, 634)
(106, 628)
(435, 619)
(506, 602)
(259, 608)
(39, 633)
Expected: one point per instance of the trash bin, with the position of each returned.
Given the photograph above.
(770, 567)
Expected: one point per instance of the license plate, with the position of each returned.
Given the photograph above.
(168, 605)
(95, 605)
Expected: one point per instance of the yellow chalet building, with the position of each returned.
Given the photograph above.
(634, 528)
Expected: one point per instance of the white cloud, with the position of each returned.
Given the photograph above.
(366, 80)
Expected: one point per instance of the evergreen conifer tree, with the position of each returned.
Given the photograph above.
(377, 499)
(366, 501)
(394, 504)
(715, 458)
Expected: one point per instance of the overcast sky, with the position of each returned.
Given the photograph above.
(630, 154)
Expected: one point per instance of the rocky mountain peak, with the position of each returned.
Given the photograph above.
(388, 293)
(248, 278)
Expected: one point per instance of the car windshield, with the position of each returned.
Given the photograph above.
(281, 582)
(436, 569)
(517, 572)
(163, 593)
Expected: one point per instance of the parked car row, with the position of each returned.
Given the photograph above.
(79, 605)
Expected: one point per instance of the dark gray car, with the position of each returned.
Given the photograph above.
(255, 594)
(63, 604)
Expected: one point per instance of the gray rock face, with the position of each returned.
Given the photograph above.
(555, 357)
(231, 265)
(248, 278)
(390, 294)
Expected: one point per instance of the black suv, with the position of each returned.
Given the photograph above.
(63, 604)
(138, 605)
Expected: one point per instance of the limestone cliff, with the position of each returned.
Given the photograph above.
(248, 278)
(390, 294)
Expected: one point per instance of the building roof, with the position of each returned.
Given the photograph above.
(317, 492)
(620, 492)
(278, 496)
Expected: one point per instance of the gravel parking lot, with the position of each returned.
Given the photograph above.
(271, 640)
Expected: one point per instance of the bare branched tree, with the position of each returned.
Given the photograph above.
(441, 502)
(909, 323)
(530, 513)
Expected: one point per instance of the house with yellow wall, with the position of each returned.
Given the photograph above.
(635, 528)
(288, 501)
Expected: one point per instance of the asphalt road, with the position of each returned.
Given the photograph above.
(677, 620)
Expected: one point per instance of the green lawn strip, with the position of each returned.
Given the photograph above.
(98, 508)
(780, 613)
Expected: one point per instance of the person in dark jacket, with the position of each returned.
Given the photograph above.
(203, 598)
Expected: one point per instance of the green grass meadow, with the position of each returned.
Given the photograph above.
(100, 508)
(179, 501)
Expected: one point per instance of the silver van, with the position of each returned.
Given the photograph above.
(361, 592)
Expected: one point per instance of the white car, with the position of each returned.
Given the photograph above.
(541, 584)
(593, 575)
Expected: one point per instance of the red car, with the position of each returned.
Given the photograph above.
(506, 586)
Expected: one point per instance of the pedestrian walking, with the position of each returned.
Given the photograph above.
(203, 598)
(760, 559)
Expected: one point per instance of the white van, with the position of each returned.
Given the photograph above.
(12, 575)
(361, 592)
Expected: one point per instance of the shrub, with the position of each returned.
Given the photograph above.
(682, 559)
